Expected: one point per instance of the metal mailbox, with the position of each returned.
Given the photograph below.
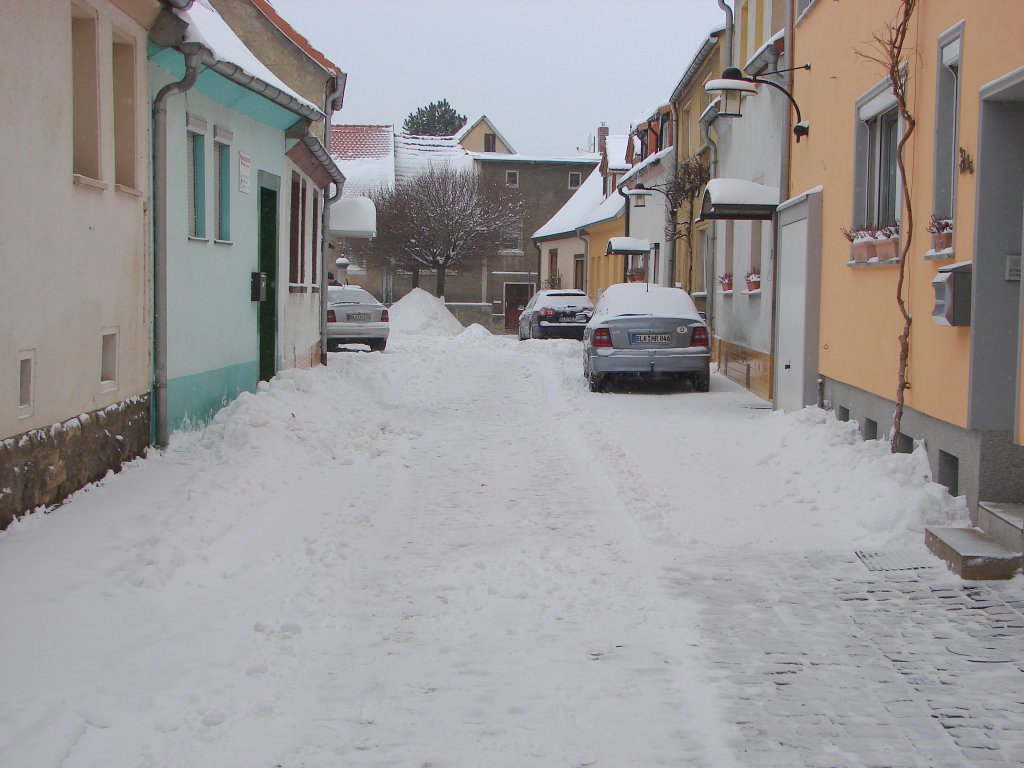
(953, 295)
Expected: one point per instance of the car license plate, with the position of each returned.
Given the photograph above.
(581, 318)
(357, 315)
(651, 338)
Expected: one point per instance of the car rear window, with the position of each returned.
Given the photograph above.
(560, 300)
(349, 295)
(640, 299)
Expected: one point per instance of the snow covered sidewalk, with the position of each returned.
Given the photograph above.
(453, 554)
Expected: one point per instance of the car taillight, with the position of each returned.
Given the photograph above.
(698, 336)
(330, 316)
(547, 312)
(383, 315)
(602, 338)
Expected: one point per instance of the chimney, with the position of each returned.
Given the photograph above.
(602, 138)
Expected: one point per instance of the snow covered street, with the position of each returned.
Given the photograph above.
(453, 554)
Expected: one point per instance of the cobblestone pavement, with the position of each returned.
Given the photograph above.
(824, 663)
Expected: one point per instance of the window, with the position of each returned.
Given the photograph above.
(26, 366)
(490, 142)
(756, 240)
(575, 178)
(123, 57)
(512, 240)
(85, 102)
(803, 5)
(303, 186)
(108, 357)
(947, 123)
(577, 274)
(196, 150)
(553, 264)
(876, 180)
(222, 181)
(295, 229)
(511, 178)
(315, 249)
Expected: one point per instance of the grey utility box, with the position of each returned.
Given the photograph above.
(953, 295)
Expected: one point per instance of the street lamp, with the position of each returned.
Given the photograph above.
(644, 189)
(731, 86)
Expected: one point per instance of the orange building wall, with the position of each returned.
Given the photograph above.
(860, 322)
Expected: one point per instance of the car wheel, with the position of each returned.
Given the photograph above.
(377, 345)
(702, 382)
(596, 381)
(522, 337)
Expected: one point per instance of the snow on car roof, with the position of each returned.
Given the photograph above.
(644, 299)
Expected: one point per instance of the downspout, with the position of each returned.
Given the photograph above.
(193, 61)
(626, 198)
(729, 32)
(709, 264)
(333, 103)
(784, 174)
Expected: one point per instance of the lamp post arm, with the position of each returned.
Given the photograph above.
(800, 129)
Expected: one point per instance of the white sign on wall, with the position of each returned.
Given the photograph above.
(244, 173)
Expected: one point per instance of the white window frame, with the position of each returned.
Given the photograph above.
(579, 179)
(195, 176)
(222, 140)
(512, 179)
(26, 403)
(875, 110)
(947, 138)
(109, 342)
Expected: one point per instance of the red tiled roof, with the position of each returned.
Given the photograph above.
(289, 31)
(349, 142)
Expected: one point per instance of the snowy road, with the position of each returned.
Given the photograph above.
(453, 554)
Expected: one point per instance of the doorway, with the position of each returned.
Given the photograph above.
(267, 247)
(516, 296)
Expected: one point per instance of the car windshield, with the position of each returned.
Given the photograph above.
(626, 299)
(562, 300)
(348, 295)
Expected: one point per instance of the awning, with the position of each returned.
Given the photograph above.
(628, 245)
(354, 217)
(738, 199)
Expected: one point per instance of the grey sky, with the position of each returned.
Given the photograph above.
(546, 72)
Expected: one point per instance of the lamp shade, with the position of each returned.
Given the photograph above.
(730, 94)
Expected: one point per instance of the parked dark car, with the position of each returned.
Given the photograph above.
(648, 331)
(561, 314)
(354, 316)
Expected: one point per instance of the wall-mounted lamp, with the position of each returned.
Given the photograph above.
(731, 86)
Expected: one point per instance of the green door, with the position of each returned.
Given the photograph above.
(268, 265)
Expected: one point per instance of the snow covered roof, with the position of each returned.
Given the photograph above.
(647, 163)
(738, 199)
(610, 209)
(415, 154)
(366, 155)
(615, 148)
(568, 217)
(628, 245)
(292, 34)
(587, 159)
(206, 27)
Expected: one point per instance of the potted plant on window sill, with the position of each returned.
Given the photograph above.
(725, 281)
(942, 233)
(636, 274)
(887, 242)
(862, 244)
(753, 279)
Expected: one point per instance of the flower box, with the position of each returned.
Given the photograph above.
(887, 249)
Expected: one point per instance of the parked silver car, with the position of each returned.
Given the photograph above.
(560, 313)
(354, 316)
(646, 330)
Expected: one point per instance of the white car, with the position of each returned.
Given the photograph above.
(646, 330)
(354, 316)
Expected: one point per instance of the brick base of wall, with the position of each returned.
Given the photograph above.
(45, 466)
(745, 366)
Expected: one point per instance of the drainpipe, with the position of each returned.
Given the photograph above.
(729, 32)
(626, 198)
(332, 104)
(709, 264)
(193, 61)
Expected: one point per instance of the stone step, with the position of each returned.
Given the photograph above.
(1003, 522)
(970, 554)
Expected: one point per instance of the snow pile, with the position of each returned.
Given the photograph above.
(420, 313)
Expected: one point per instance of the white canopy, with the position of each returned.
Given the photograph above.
(354, 217)
(738, 199)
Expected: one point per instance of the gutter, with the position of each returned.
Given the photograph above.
(239, 76)
(193, 62)
(331, 105)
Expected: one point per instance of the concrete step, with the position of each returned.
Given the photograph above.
(1003, 522)
(970, 554)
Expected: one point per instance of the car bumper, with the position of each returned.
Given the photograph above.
(563, 330)
(650, 361)
(349, 333)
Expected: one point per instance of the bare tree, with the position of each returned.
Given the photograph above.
(688, 179)
(444, 218)
(890, 50)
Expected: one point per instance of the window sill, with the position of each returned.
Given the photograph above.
(223, 242)
(511, 252)
(297, 289)
(755, 292)
(933, 255)
(873, 263)
(89, 183)
(126, 190)
(725, 293)
(195, 239)
(108, 386)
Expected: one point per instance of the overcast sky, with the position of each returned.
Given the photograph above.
(546, 72)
